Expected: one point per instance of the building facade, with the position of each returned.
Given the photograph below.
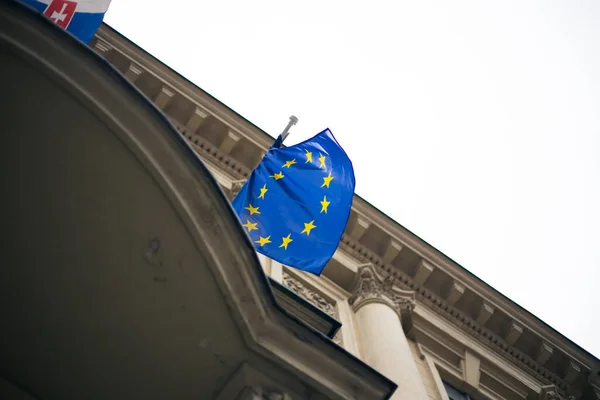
(405, 309)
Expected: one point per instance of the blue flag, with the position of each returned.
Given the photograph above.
(296, 203)
(81, 18)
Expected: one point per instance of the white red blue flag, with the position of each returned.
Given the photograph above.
(81, 18)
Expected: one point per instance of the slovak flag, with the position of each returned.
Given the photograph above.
(81, 18)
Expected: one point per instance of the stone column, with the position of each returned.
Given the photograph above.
(379, 309)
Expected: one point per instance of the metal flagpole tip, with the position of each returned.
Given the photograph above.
(286, 131)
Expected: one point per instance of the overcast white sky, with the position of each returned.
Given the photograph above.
(475, 124)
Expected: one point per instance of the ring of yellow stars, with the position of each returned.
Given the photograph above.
(324, 204)
(308, 156)
(277, 176)
(321, 160)
(262, 241)
(285, 241)
(308, 227)
(263, 190)
(250, 226)
(289, 163)
(253, 210)
(327, 180)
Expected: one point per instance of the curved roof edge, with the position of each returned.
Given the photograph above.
(154, 140)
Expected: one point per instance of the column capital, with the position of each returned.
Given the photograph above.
(370, 286)
(551, 392)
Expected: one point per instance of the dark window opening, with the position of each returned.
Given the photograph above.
(455, 394)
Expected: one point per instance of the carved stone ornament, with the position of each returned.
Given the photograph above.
(308, 294)
(371, 286)
(313, 297)
(551, 392)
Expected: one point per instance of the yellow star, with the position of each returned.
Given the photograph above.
(250, 226)
(324, 204)
(308, 227)
(321, 160)
(253, 210)
(327, 180)
(285, 241)
(263, 190)
(289, 163)
(308, 156)
(277, 176)
(262, 241)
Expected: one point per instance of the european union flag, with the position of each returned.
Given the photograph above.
(296, 203)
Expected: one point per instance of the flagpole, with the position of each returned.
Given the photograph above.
(286, 131)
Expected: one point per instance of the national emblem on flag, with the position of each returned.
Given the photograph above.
(81, 18)
(296, 203)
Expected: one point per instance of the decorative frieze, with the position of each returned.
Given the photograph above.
(551, 392)
(370, 286)
(314, 298)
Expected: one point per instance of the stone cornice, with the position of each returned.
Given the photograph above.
(212, 152)
(370, 286)
(429, 298)
(186, 88)
(440, 306)
(459, 273)
(364, 255)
